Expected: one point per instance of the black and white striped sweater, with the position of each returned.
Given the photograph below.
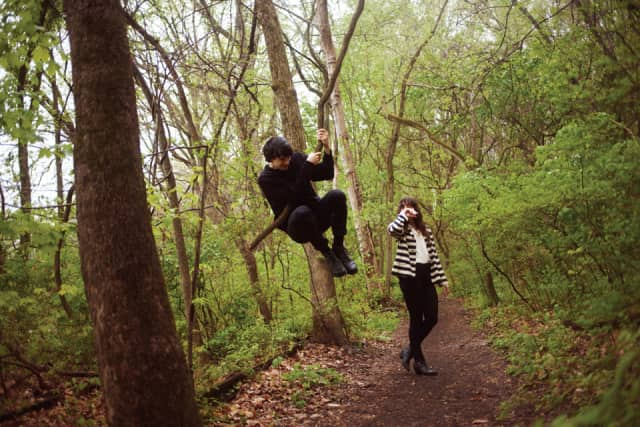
(404, 263)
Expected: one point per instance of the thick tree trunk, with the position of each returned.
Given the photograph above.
(281, 79)
(354, 192)
(327, 316)
(328, 324)
(142, 367)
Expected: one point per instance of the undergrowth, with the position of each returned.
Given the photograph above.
(567, 364)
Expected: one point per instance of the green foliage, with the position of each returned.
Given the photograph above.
(566, 220)
(563, 231)
(365, 322)
(27, 33)
(554, 218)
(618, 406)
(34, 325)
(309, 377)
(577, 365)
(312, 376)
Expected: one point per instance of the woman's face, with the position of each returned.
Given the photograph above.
(410, 205)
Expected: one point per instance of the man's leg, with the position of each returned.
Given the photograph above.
(332, 212)
(303, 227)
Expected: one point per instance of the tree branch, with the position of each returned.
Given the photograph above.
(424, 129)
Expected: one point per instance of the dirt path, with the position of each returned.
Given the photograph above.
(468, 389)
(377, 391)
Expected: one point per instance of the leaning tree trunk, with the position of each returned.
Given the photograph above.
(142, 367)
(251, 265)
(354, 190)
(328, 324)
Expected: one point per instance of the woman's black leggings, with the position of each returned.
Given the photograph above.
(422, 302)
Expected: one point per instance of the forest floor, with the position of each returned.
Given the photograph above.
(375, 390)
(363, 385)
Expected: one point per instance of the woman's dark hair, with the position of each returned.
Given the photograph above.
(417, 222)
(275, 147)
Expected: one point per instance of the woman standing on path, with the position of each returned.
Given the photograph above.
(418, 268)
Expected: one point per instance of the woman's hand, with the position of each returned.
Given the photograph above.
(445, 290)
(409, 212)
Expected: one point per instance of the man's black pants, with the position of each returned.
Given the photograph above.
(308, 225)
(422, 303)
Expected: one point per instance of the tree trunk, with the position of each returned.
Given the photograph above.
(281, 79)
(24, 138)
(142, 367)
(389, 194)
(328, 324)
(354, 192)
(63, 211)
(23, 161)
(3, 252)
(254, 279)
(490, 290)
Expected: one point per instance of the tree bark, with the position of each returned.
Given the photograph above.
(490, 290)
(281, 79)
(354, 192)
(3, 253)
(142, 367)
(328, 324)
(254, 279)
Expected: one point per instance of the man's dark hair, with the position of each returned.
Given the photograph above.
(275, 147)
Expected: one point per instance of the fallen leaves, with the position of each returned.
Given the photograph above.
(299, 390)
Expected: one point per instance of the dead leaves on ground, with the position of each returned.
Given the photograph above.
(302, 390)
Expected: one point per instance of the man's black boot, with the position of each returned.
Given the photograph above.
(337, 269)
(343, 256)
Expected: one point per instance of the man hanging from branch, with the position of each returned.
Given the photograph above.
(285, 182)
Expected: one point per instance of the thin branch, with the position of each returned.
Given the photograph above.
(429, 134)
